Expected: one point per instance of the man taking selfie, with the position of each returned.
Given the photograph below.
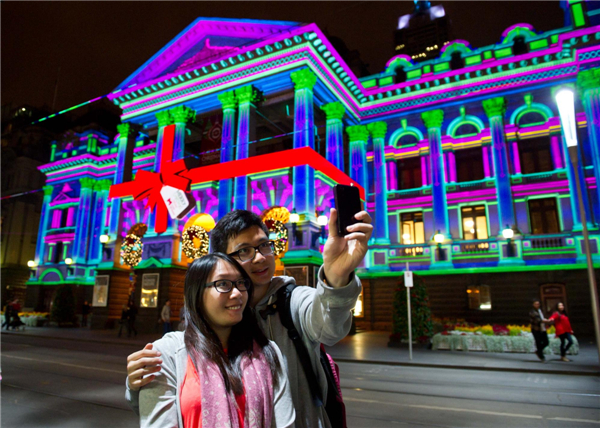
(321, 314)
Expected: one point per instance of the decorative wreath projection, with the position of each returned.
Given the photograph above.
(281, 234)
(187, 242)
(131, 250)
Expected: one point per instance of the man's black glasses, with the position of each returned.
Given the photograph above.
(248, 253)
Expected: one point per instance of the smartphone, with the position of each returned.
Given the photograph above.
(347, 204)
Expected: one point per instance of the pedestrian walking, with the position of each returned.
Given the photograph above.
(165, 316)
(8, 310)
(221, 371)
(563, 330)
(131, 319)
(124, 321)
(538, 329)
(85, 311)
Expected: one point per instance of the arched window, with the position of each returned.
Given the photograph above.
(400, 75)
(465, 130)
(519, 46)
(531, 118)
(457, 62)
(406, 140)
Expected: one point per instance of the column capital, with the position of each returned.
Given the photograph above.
(377, 129)
(228, 100)
(494, 107)
(248, 94)
(164, 118)
(48, 190)
(357, 133)
(334, 110)
(127, 130)
(433, 118)
(303, 79)
(87, 183)
(102, 185)
(588, 79)
(182, 114)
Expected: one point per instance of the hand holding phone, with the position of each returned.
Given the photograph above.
(347, 204)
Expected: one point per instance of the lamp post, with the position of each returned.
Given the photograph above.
(565, 100)
(31, 266)
(105, 251)
(69, 262)
(439, 238)
(322, 221)
(294, 219)
(508, 234)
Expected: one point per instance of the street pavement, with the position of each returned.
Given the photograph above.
(75, 378)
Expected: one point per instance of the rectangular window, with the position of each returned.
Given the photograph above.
(149, 290)
(100, 296)
(535, 155)
(409, 173)
(56, 219)
(479, 297)
(474, 222)
(543, 215)
(411, 228)
(469, 164)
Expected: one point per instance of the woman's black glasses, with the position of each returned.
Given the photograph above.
(226, 285)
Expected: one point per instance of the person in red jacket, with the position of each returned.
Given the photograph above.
(563, 329)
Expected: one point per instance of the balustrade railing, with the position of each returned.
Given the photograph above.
(548, 242)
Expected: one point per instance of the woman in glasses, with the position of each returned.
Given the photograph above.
(221, 371)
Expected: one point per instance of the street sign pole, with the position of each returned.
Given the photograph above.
(408, 283)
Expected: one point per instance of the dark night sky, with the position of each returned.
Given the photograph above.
(98, 44)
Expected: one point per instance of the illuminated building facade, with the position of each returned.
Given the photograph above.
(464, 170)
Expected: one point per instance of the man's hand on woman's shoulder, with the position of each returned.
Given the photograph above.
(142, 363)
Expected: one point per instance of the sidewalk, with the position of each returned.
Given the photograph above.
(371, 347)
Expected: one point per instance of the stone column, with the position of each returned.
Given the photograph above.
(127, 134)
(358, 155)
(164, 118)
(80, 242)
(334, 133)
(181, 115)
(433, 120)
(382, 229)
(495, 109)
(577, 227)
(487, 171)
(43, 227)
(246, 97)
(304, 176)
(451, 162)
(229, 103)
(588, 83)
(557, 160)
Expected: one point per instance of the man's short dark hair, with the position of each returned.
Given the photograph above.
(535, 300)
(230, 226)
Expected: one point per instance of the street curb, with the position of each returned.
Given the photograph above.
(100, 342)
(349, 360)
(450, 366)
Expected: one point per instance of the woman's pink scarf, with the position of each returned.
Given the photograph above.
(219, 409)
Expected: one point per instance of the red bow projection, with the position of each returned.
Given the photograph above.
(148, 184)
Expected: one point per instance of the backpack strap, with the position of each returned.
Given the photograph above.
(283, 306)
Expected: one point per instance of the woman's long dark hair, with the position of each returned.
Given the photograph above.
(201, 339)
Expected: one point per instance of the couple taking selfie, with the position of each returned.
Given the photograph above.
(235, 364)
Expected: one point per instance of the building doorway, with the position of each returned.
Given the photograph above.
(551, 294)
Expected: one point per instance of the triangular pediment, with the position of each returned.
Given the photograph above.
(205, 40)
(65, 195)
